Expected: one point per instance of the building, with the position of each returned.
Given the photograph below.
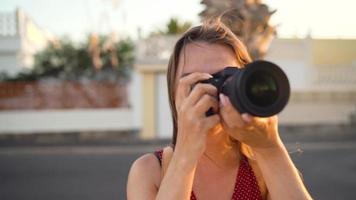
(316, 63)
(20, 39)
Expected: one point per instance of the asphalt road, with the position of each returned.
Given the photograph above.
(100, 172)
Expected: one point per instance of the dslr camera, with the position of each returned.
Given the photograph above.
(261, 88)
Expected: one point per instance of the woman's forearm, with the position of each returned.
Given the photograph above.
(178, 180)
(281, 176)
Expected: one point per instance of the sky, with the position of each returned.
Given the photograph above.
(76, 18)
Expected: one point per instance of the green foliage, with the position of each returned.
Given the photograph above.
(69, 61)
(174, 27)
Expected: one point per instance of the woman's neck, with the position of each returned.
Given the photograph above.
(221, 149)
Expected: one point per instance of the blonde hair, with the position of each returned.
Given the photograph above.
(213, 32)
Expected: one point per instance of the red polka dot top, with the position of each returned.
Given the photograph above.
(246, 186)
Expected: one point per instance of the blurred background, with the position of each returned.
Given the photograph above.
(83, 89)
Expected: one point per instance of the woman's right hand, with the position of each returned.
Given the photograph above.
(191, 105)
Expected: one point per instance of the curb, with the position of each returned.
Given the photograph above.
(289, 134)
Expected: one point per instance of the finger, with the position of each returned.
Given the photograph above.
(236, 133)
(247, 118)
(201, 89)
(212, 121)
(205, 103)
(185, 84)
(255, 121)
(229, 114)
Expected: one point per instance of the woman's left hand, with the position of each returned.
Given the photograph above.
(258, 133)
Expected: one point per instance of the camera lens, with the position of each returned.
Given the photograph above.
(261, 89)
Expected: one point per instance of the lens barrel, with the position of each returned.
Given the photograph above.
(261, 89)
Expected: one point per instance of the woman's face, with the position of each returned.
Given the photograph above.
(206, 58)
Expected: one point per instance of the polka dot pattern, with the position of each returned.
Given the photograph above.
(246, 186)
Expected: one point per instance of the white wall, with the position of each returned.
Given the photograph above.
(35, 121)
(10, 44)
(9, 64)
(293, 56)
(311, 113)
(298, 73)
(164, 119)
(9, 48)
(135, 99)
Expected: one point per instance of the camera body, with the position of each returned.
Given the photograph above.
(261, 88)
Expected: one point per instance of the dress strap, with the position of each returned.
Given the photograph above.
(158, 155)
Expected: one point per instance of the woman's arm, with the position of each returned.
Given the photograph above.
(193, 127)
(261, 134)
(282, 178)
(178, 180)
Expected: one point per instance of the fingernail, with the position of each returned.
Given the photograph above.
(208, 76)
(246, 117)
(222, 99)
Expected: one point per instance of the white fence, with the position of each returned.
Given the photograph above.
(72, 120)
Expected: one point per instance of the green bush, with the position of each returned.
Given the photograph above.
(66, 60)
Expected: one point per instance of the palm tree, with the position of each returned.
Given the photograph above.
(248, 19)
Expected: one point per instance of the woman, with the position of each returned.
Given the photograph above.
(228, 155)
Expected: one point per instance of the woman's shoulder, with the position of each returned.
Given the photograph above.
(146, 162)
(150, 162)
(146, 169)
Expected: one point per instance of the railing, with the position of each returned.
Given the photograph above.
(341, 76)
